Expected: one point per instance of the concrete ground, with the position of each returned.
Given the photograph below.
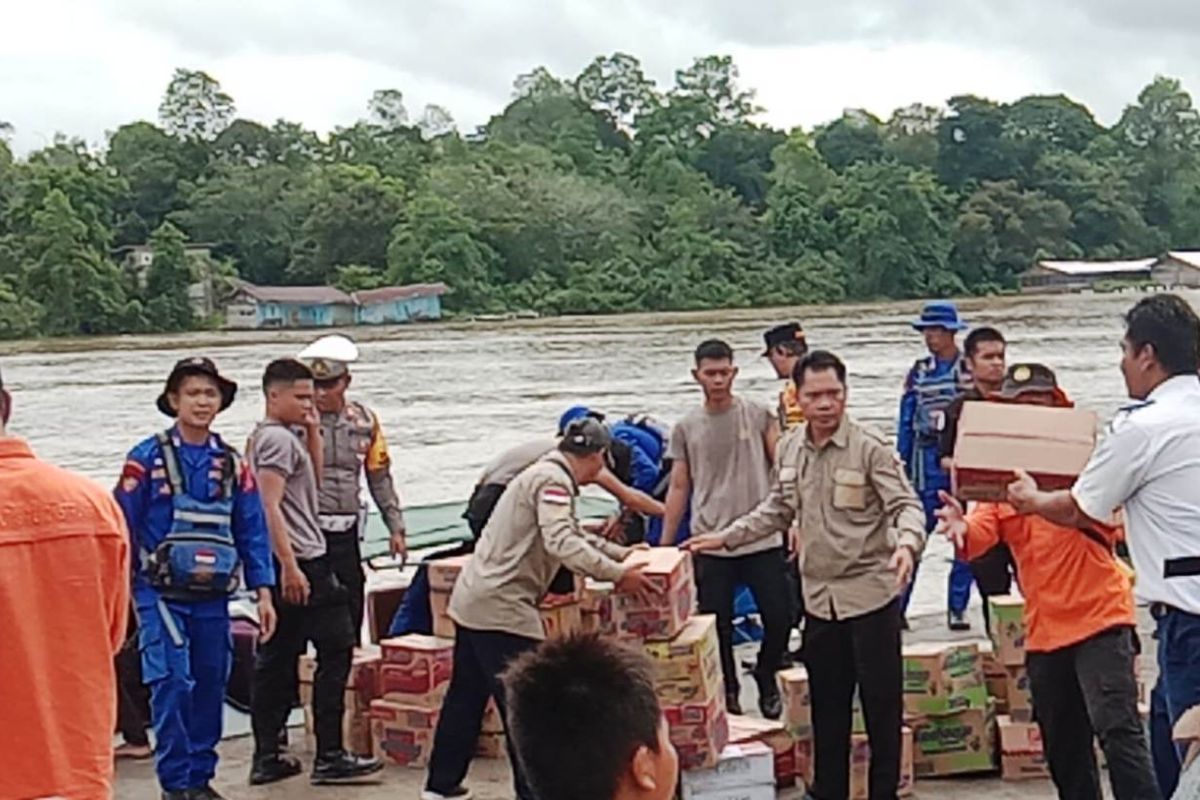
(489, 779)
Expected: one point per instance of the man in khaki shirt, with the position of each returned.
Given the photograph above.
(531, 534)
(862, 529)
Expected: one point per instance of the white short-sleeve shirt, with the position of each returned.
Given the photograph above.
(1149, 463)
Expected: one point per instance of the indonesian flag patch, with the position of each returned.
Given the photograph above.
(556, 495)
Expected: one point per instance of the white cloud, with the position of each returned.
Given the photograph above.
(87, 66)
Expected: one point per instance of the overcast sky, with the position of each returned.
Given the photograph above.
(84, 67)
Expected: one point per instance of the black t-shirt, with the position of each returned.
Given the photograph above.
(949, 435)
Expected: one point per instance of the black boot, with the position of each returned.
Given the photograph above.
(273, 768)
(732, 703)
(206, 793)
(341, 767)
(769, 702)
(182, 794)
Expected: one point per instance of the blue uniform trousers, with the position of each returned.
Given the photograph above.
(186, 656)
(1178, 689)
(958, 593)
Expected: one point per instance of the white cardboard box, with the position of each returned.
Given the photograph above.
(742, 768)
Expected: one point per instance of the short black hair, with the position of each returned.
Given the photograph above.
(578, 710)
(713, 350)
(1167, 323)
(285, 370)
(818, 361)
(979, 336)
(794, 347)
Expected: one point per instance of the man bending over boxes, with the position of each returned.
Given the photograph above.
(532, 534)
(1079, 618)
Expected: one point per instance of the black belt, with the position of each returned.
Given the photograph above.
(1188, 567)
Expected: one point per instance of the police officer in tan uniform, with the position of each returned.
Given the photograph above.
(353, 444)
(785, 345)
(863, 529)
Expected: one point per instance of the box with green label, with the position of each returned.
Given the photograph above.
(955, 743)
(943, 678)
(1007, 629)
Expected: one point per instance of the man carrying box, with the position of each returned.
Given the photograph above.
(1149, 464)
(863, 530)
(532, 533)
(1079, 623)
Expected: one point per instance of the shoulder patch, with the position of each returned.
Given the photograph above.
(555, 496)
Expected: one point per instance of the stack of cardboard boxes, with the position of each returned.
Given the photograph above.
(685, 654)
(362, 688)
(944, 691)
(596, 608)
(1021, 754)
(413, 678)
(742, 772)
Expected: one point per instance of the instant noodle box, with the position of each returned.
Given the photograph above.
(416, 669)
(994, 439)
(402, 735)
(1008, 629)
(943, 678)
(954, 743)
(687, 669)
(657, 617)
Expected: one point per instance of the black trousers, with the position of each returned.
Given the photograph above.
(764, 573)
(133, 696)
(862, 652)
(479, 659)
(993, 573)
(1086, 690)
(345, 557)
(325, 622)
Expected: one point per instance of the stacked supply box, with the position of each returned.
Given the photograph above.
(797, 704)
(491, 734)
(943, 678)
(403, 734)
(1021, 753)
(955, 743)
(596, 608)
(362, 687)
(687, 673)
(742, 772)
(443, 572)
(657, 617)
(860, 765)
(1007, 629)
(1018, 695)
(995, 677)
(744, 730)
(413, 678)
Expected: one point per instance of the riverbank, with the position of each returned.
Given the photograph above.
(489, 779)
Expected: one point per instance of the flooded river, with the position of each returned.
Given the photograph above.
(451, 396)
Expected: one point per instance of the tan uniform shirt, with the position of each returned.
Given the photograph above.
(854, 506)
(532, 533)
(354, 443)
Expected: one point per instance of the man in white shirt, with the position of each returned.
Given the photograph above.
(1149, 464)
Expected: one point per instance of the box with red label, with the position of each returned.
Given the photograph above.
(1020, 699)
(561, 620)
(744, 730)
(575, 596)
(364, 671)
(860, 765)
(596, 608)
(994, 439)
(443, 572)
(661, 616)
(439, 603)
(698, 731)
(415, 669)
(403, 735)
(687, 669)
(491, 745)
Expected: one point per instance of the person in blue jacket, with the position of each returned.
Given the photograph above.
(196, 524)
(933, 383)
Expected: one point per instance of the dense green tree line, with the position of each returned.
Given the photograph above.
(600, 193)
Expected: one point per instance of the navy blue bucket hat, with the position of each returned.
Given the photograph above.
(939, 314)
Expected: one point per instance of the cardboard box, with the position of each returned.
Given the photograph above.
(744, 730)
(402, 735)
(860, 765)
(415, 669)
(687, 669)
(596, 608)
(1020, 700)
(994, 439)
(1023, 766)
(699, 732)
(797, 703)
(385, 593)
(491, 745)
(954, 743)
(740, 766)
(443, 572)
(439, 603)
(491, 718)
(1008, 629)
(662, 616)
(759, 792)
(561, 620)
(943, 678)
(1018, 737)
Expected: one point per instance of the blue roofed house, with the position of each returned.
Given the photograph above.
(397, 304)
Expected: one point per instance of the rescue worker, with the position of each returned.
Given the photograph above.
(531, 535)
(194, 517)
(1080, 635)
(785, 346)
(933, 383)
(863, 532)
(353, 445)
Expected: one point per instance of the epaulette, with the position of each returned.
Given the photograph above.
(1125, 412)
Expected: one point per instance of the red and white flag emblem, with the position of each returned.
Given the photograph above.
(556, 495)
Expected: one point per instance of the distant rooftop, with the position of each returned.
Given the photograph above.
(1189, 257)
(1100, 267)
(388, 294)
(317, 295)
